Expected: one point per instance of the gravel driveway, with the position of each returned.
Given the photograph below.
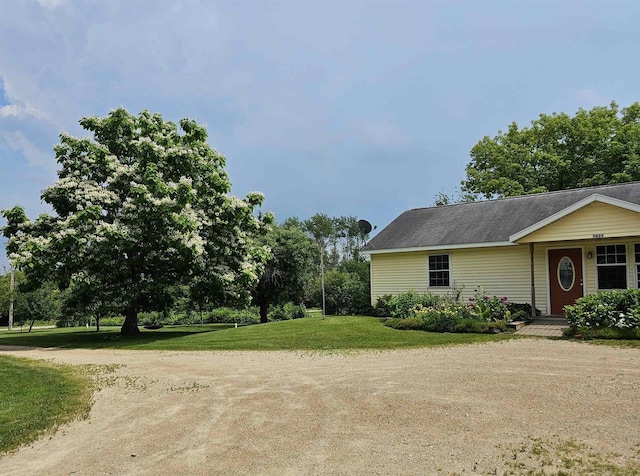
(497, 408)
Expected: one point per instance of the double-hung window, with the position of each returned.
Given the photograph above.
(439, 271)
(611, 264)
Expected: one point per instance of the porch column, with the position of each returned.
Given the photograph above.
(533, 283)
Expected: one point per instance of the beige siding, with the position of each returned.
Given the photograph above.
(502, 271)
(499, 271)
(395, 273)
(594, 219)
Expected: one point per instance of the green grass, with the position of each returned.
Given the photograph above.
(313, 333)
(552, 455)
(626, 343)
(607, 336)
(38, 396)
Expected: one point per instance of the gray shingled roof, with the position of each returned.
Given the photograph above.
(485, 222)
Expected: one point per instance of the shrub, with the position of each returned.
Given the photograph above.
(402, 304)
(112, 321)
(347, 290)
(490, 308)
(405, 302)
(438, 320)
(614, 309)
(461, 325)
(287, 311)
(230, 315)
(521, 311)
(384, 306)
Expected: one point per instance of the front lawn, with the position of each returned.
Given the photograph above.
(313, 333)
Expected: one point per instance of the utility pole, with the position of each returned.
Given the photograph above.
(11, 288)
(324, 306)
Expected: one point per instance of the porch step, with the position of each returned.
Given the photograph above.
(545, 326)
(516, 325)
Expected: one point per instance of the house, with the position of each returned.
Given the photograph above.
(546, 249)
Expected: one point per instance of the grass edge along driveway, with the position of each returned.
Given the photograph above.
(38, 397)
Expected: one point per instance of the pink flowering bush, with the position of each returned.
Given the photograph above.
(489, 308)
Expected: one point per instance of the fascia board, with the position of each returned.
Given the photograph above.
(439, 247)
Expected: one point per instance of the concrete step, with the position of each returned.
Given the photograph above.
(516, 325)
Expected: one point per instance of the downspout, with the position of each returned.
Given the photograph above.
(533, 283)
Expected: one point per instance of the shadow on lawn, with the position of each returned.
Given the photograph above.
(107, 338)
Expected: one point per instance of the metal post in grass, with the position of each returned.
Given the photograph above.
(324, 314)
(12, 285)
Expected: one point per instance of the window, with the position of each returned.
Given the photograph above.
(637, 250)
(611, 263)
(439, 270)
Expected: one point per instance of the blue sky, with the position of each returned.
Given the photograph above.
(362, 108)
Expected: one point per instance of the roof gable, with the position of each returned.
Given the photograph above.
(596, 197)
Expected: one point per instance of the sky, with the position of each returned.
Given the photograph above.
(359, 108)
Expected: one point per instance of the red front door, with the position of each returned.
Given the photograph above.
(565, 278)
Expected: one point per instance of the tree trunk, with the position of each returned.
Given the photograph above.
(130, 326)
(97, 324)
(264, 308)
(31, 325)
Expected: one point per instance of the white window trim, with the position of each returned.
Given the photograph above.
(626, 264)
(429, 271)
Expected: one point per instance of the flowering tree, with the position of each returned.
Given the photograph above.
(139, 207)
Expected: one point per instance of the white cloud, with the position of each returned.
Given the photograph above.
(36, 157)
(14, 110)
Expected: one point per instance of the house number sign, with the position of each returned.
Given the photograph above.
(598, 235)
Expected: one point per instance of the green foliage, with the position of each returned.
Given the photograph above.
(347, 290)
(402, 304)
(31, 302)
(426, 312)
(490, 308)
(287, 311)
(444, 323)
(171, 318)
(114, 321)
(43, 304)
(140, 207)
(384, 306)
(612, 308)
(320, 226)
(37, 397)
(558, 152)
(287, 270)
(521, 311)
(230, 315)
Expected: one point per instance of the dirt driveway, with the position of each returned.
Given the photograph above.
(492, 408)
